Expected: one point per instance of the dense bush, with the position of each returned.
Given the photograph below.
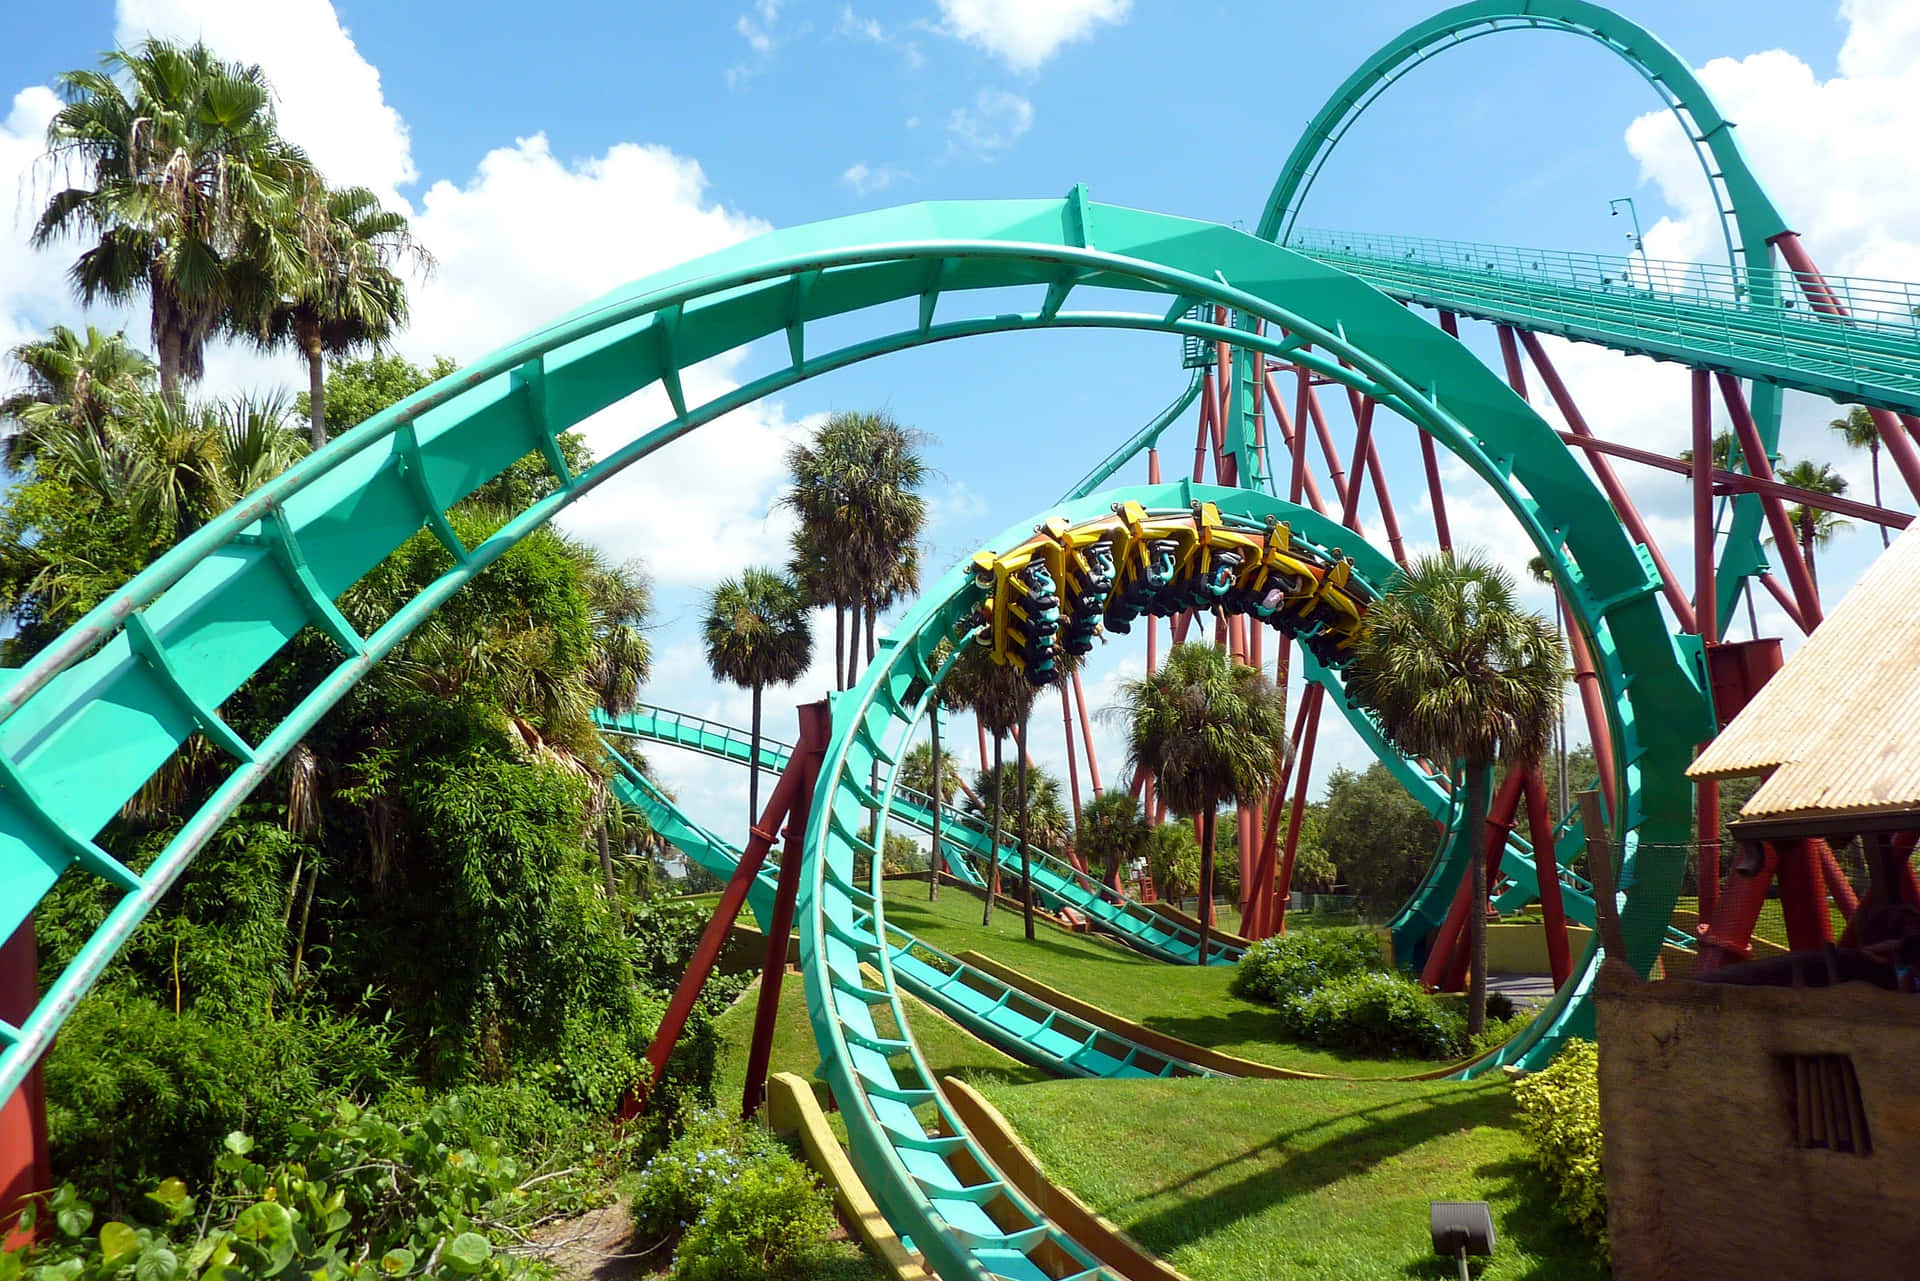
(1294, 964)
(1375, 1013)
(739, 1204)
(770, 1222)
(1560, 1116)
(356, 1196)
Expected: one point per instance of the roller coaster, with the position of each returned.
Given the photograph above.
(1263, 547)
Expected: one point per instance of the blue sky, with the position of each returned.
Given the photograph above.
(551, 152)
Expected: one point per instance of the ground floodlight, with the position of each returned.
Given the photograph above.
(1461, 1229)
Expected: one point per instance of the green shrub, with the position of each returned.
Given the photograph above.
(678, 1182)
(356, 1196)
(1375, 1013)
(1560, 1116)
(1500, 1008)
(1288, 965)
(739, 1204)
(769, 1222)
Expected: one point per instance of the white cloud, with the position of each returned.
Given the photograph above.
(33, 286)
(866, 179)
(991, 124)
(1025, 33)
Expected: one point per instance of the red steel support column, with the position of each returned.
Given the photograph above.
(1729, 936)
(1310, 704)
(1206, 430)
(1335, 472)
(1086, 733)
(816, 727)
(1838, 887)
(1599, 731)
(1895, 431)
(1073, 769)
(1547, 868)
(1603, 470)
(1784, 601)
(1287, 439)
(982, 731)
(1447, 962)
(714, 936)
(1431, 457)
(1803, 896)
(1786, 540)
(26, 1168)
(1706, 614)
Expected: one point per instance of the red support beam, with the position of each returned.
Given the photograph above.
(1306, 483)
(816, 727)
(1303, 770)
(26, 1167)
(1073, 768)
(1786, 541)
(707, 952)
(1729, 936)
(1335, 473)
(1446, 967)
(1603, 471)
(1205, 431)
(1546, 866)
(1706, 614)
(1785, 601)
(1086, 733)
(1593, 702)
(1803, 896)
(1733, 482)
(1839, 889)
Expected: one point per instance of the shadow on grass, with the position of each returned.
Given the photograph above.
(1527, 1224)
(1308, 1163)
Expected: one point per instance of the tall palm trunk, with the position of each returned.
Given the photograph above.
(1477, 778)
(1873, 451)
(993, 856)
(1026, 855)
(872, 633)
(853, 650)
(1205, 905)
(939, 804)
(839, 646)
(753, 765)
(316, 391)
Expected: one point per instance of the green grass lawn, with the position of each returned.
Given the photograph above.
(1291, 1180)
(1186, 1001)
(1226, 1179)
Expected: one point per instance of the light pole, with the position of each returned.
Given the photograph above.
(1638, 244)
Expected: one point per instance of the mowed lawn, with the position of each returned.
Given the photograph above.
(1187, 1001)
(1291, 1180)
(1227, 1179)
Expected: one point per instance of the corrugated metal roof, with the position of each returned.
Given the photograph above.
(1839, 724)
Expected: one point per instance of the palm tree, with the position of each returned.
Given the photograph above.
(1858, 430)
(1112, 828)
(1040, 818)
(856, 491)
(74, 385)
(173, 465)
(343, 294)
(757, 635)
(1210, 729)
(1722, 451)
(1814, 526)
(1454, 670)
(186, 188)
